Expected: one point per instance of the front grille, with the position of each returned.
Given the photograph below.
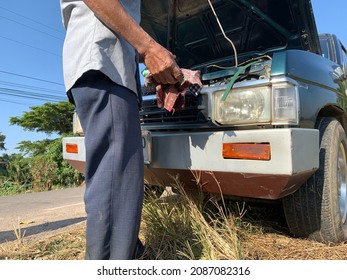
(191, 114)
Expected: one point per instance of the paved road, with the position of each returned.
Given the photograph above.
(37, 213)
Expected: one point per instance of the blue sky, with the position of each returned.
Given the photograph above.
(31, 39)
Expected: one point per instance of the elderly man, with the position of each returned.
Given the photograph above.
(103, 41)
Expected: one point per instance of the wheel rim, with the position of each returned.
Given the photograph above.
(341, 177)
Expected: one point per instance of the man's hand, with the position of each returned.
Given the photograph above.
(159, 61)
(162, 65)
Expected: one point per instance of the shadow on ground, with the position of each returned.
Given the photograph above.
(10, 235)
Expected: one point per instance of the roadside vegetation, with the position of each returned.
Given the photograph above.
(39, 165)
(177, 224)
(190, 226)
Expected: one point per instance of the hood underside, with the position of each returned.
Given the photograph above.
(190, 30)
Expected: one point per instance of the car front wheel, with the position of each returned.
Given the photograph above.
(318, 209)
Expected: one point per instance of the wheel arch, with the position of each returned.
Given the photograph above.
(334, 111)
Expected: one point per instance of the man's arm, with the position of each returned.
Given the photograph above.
(159, 61)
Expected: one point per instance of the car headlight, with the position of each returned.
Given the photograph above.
(276, 104)
(243, 106)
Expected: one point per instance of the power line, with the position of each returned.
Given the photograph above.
(30, 95)
(32, 28)
(10, 91)
(14, 102)
(32, 78)
(31, 87)
(30, 19)
(21, 43)
(16, 90)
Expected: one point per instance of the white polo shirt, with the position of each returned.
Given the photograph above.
(90, 45)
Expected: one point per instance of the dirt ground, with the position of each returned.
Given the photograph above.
(69, 245)
(272, 246)
(269, 239)
(259, 239)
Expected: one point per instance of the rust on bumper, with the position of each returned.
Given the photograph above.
(229, 184)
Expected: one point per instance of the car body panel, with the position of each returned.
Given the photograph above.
(187, 145)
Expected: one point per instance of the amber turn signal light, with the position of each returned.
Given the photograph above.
(71, 148)
(253, 151)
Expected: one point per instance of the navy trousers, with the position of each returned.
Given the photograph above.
(113, 198)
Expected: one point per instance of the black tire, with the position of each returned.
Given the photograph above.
(318, 209)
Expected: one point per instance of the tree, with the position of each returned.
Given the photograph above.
(35, 148)
(48, 118)
(43, 167)
(2, 141)
(3, 162)
(18, 169)
(43, 171)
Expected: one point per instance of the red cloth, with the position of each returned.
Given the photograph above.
(172, 97)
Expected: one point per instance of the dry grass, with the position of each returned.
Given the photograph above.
(273, 246)
(68, 245)
(267, 238)
(186, 226)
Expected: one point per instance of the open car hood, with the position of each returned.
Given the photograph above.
(190, 30)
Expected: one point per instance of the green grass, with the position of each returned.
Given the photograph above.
(8, 187)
